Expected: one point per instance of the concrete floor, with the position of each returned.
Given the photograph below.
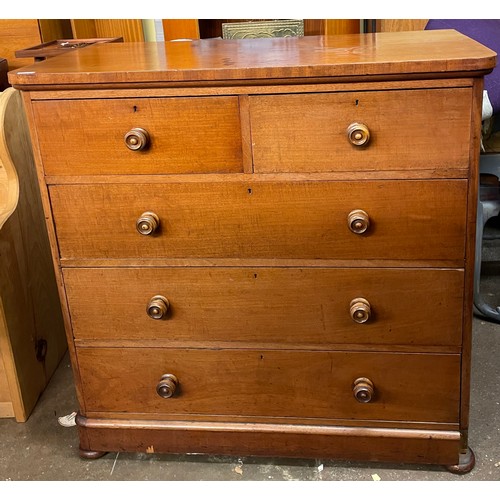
(43, 450)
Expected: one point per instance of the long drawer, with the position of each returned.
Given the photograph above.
(394, 387)
(267, 306)
(321, 132)
(179, 135)
(264, 219)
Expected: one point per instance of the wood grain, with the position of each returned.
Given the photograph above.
(259, 268)
(84, 28)
(6, 406)
(341, 26)
(4, 386)
(414, 174)
(270, 262)
(130, 29)
(263, 220)
(337, 443)
(267, 306)
(273, 383)
(54, 29)
(236, 344)
(17, 34)
(204, 422)
(29, 297)
(214, 90)
(401, 24)
(246, 133)
(6, 409)
(9, 182)
(51, 234)
(475, 141)
(314, 27)
(187, 135)
(421, 52)
(307, 132)
(17, 338)
(174, 29)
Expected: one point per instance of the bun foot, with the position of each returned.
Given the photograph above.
(465, 464)
(91, 455)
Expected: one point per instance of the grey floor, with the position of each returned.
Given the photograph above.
(43, 450)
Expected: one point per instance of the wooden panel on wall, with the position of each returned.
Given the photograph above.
(314, 27)
(130, 29)
(174, 29)
(331, 26)
(341, 26)
(54, 29)
(401, 24)
(17, 34)
(83, 28)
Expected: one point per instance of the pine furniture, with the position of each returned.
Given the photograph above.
(32, 334)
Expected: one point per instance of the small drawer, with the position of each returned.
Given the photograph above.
(361, 131)
(139, 136)
(299, 307)
(421, 220)
(271, 383)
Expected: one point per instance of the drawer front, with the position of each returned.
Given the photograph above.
(408, 130)
(273, 306)
(408, 387)
(185, 135)
(407, 220)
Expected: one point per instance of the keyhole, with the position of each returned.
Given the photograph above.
(135, 109)
(357, 102)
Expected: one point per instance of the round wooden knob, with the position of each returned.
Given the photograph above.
(137, 139)
(147, 223)
(360, 310)
(158, 307)
(363, 390)
(358, 221)
(358, 134)
(167, 386)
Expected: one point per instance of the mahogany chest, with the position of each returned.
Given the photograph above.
(265, 247)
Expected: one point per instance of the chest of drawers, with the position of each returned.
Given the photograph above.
(265, 247)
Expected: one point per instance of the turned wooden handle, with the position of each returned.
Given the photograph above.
(137, 139)
(158, 307)
(358, 221)
(363, 390)
(147, 223)
(360, 310)
(167, 386)
(358, 134)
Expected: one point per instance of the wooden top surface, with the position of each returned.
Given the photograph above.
(376, 54)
